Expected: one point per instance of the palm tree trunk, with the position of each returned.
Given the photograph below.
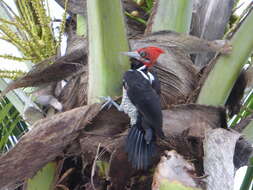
(107, 38)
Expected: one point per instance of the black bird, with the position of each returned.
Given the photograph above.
(141, 101)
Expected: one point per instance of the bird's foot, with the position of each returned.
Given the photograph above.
(109, 102)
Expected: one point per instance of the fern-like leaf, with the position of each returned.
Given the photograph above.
(11, 74)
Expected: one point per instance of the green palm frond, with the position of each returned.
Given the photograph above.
(11, 74)
(15, 58)
(63, 23)
(35, 39)
(11, 125)
(31, 32)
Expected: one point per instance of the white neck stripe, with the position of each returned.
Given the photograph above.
(147, 76)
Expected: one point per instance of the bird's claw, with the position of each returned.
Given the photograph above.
(108, 102)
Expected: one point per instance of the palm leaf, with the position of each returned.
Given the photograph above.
(11, 125)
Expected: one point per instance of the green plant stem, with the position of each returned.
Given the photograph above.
(173, 15)
(221, 79)
(107, 38)
(248, 176)
(248, 132)
(136, 18)
(44, 179)
(81, 28)
(175, 186)
(11, 127)
(246, 110)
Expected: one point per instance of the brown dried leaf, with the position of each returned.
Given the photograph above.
(178, 77)
(118, 175)
(185, 43)
(74, 94)
(40, 75)
(104, 129)
(50, 136)
(193, 118)
(65, 175)
(63, 187)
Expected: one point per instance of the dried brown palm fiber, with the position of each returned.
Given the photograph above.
(185, 43)
(51, 136)
(74, 93)
(45, 75)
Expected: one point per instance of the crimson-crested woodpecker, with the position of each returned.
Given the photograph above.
(141, 101)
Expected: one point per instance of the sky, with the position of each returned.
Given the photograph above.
(56, 13)
(242, 4)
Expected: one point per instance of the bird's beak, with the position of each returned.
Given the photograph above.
(132, 54)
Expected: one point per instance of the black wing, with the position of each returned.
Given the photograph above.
(145, 98)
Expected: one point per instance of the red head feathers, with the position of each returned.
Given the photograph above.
(147, 55)
(150, 54)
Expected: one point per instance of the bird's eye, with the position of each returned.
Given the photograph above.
(143, 54)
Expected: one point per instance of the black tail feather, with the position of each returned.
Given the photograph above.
(132, 143)
(139, 152)
(136, 150)
(145, 156)
(130, 136)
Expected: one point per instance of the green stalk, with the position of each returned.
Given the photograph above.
(248, 132)
(81, 28)
(107, 38)
(248, 177)
(44, 179)
(247, 180)
(166, 185)
(221, 79)
(245, 110)
(173, 15)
